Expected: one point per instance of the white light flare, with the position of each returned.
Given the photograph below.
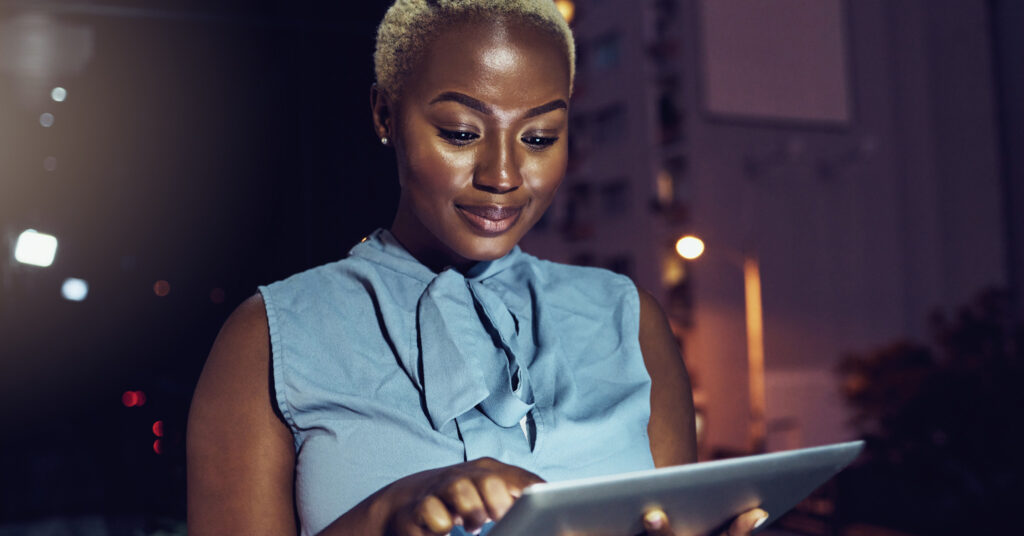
(690, 247)
(59, 94)
(35, 248)
(74, 289)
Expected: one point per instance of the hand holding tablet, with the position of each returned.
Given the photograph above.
(699, 498)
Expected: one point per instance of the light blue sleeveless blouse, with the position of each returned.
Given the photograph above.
(383, 368)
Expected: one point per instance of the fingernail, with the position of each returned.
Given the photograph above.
(655, 519)
(760, 521)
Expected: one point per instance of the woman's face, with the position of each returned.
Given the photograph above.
(480, 131)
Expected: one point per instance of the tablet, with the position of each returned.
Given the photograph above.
(698, 497)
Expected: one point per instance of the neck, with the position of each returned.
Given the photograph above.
(424, 246)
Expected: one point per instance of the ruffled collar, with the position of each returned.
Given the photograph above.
(467, 339)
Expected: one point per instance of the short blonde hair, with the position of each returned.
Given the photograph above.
(408, 26)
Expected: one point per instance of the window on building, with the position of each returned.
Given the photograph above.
(578, 140)
(671, 117)
(579, 217)
(673, 188)
(609, 124)
(615, 197)
(607, 51)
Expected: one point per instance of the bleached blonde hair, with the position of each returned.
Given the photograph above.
(409, 25)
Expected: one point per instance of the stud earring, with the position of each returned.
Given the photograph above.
(384, 140)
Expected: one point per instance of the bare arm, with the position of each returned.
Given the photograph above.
(241, 456)
(672, 426)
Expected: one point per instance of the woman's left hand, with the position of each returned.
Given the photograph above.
(656, 523)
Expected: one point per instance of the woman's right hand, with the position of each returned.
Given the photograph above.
(468, 494)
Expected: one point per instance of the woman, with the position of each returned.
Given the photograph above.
(401, 375)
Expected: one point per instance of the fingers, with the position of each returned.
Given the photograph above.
(746, 522)
(434, 516)
(468, 494)
(496, 496)
(464, 501)
(656, 523)
(516, 478)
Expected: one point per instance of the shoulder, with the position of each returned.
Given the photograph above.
(239, 359)
(239, 452)
(656, 337)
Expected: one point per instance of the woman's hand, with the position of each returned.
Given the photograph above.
(656, 523)
(433, 502)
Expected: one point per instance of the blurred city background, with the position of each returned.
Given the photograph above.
(849, 174)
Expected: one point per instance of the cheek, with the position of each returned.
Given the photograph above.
(546, 174)
(434, 169)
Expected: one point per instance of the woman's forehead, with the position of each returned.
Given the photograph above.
(493, 59)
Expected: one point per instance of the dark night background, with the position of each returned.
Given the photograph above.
(210, 148)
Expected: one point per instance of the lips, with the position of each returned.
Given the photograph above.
(490, 219)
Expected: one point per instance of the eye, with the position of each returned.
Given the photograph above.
(539, 142)
(457, 137)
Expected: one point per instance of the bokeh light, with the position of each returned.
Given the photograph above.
(567, 8)
(74, 289)
(35, 248)
(690, 247)
(58, 94)
(46, 119)
(133, 399)
(161, 288)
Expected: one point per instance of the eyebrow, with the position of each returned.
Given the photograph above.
(479, 106)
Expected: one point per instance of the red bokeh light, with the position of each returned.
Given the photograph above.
(217, 295)
(161, 288)
(158, 446)
(133, 399)
(158, 428)
(129, 399)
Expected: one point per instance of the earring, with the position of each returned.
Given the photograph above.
(384, 140)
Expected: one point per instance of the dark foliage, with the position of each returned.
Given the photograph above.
(941, 423)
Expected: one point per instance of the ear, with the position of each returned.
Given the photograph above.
(380, 106)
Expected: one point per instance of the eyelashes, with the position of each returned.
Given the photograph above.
(539, 141)
(461, 138)
(458, 137)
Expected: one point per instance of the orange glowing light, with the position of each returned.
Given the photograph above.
(161, 288)
(158, 428)
(690, 247)
(567, 8)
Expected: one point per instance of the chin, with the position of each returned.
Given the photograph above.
(480, 249)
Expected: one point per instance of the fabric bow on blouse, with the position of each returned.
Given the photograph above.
(468, 354)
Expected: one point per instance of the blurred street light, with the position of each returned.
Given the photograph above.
(35, 248)
(74, 289)
(690, 247)
(567, 8)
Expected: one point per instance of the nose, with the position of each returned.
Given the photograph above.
(497, 169)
